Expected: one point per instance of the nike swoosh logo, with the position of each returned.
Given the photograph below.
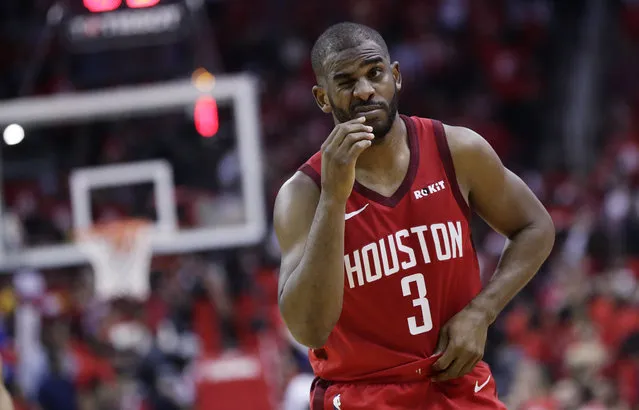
(352, 214)
(478, 387)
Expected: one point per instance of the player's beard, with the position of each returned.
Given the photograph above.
(380, 128)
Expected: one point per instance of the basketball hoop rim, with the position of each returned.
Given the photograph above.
(119, 251)
(111, 228)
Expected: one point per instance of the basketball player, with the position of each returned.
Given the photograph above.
(379, 276)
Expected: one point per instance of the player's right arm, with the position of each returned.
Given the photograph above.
(309, 224)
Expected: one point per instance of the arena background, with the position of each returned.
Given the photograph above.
(211, 98)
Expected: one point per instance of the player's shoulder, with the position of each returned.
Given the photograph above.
(299, 189)
(463, 141)
(299, 181)
(420, 124)
(296, 202)
(470, 152)
(303, 185)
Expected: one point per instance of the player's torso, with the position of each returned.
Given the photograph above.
(409, 265)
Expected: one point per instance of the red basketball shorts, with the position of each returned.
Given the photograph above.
(475, 390)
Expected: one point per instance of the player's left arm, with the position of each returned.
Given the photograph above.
(506, 203)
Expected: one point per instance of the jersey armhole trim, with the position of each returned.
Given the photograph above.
(449, 167)
(318, 389)
(310, 171)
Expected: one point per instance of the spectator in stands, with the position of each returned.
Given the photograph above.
(57, 389)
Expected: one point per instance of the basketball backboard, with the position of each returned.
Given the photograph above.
(158, 121)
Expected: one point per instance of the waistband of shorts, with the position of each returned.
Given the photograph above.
(414, 372)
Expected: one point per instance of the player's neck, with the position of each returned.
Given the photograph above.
(388, 152)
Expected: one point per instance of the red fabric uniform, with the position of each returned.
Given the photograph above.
(409, 266)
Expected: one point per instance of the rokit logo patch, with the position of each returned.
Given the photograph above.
(429, 190)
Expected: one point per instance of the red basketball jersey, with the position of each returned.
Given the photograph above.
(409, 266)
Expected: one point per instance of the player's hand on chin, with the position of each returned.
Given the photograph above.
(461, 344)
(339, 153)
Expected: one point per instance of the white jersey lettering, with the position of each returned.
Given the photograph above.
(442, 243)
(354, 269)
(419, 230)
(389, 270)
(371, 249)
(403, 248)
(455, 233)
(372, 262)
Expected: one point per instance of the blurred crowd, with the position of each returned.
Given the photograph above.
(210, 335)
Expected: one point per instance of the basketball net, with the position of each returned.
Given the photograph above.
(120, 253)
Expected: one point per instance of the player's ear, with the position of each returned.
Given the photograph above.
(321, 98)
(397, 75)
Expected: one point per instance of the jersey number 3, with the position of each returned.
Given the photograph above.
(421, 301)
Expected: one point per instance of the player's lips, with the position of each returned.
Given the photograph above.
(367, 111)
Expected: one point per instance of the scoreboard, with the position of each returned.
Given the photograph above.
(101, 6)
(92, 25)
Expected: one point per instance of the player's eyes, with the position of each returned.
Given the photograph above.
(375, 72)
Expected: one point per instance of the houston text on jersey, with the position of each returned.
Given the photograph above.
(443, 241)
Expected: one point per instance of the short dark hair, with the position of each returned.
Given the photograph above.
(342, 36)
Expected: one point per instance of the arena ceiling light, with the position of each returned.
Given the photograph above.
(13, 134)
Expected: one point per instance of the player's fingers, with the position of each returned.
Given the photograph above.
(358, 120)
(343, 130)
(352, 146)
(445, 360)
(354, 121)
(352, 139)
(448, 373)
(329, 139)
(338, 129)
(468, 367)
(464, 363)
(453, 371)
(442, 341)
(357, 149)
(347, 137)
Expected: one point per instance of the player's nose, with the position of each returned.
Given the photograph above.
(363, 89)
